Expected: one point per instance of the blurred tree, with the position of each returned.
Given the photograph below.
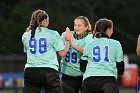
(15, 17)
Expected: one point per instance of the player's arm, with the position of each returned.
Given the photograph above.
(83, 65)
(67, 37)
(77, 48)
(83, 61)
(138, 46)
(120, 67)
(24, 42)
(120, 62)
(63, 52)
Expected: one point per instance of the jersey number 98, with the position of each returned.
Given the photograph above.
(41, 44)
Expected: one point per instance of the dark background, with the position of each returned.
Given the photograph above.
(15, 16)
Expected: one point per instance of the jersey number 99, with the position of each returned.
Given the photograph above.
(97, 54)
(41, 44)
(71, 57)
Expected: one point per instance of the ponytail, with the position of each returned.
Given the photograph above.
(37, 17)
(33, 28)
(100, 34)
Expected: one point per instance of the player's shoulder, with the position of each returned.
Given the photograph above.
(89, 35)
(53, 32)
(72, 32)
(88, 38)
(65, 32)
(114, 41)
(25, 34)
(89, 43)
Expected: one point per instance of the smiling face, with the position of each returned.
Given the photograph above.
(79, 26)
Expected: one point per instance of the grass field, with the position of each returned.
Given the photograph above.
(122, 90)
(127, 90)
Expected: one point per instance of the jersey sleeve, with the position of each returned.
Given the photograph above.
(85, 53)
(24, 42)
(89, 38)
(58, 42)
(119, 57)
(62, 36)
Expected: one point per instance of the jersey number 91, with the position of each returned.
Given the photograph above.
(97, 53)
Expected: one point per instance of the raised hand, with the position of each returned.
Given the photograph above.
(68, 34)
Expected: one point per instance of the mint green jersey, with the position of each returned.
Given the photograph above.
(70, 63)
(41, 50)
(102, 55)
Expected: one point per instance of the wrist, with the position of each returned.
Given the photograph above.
(72, 45)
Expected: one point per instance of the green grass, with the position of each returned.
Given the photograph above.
(122, 90)
(127, 90)
(11, 91)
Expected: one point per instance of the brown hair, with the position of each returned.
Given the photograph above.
(101, 26)
(37, 17)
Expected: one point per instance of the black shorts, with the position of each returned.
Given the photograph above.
(71, 84)
(37, 78)
(100, 84)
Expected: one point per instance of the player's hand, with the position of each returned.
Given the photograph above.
(71, 43)
(29, 27)
(68, 34)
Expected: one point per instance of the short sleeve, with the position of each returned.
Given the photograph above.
(89, 38)
(24, 42)
(85, 53)
(119, 57)
(58, 43)
(62, 36)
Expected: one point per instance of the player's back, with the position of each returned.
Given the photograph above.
(41, 50)
(103, 54)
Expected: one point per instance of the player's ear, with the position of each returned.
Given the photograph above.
(109, 32)
(44, 21)
(47, 21)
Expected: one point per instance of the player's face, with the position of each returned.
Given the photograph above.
(79, 26)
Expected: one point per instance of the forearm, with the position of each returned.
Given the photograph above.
(66, 47)
(138, 52)
(63, 52)
(78, 48)
(138, 46)
(120, 67)
(83, 65)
